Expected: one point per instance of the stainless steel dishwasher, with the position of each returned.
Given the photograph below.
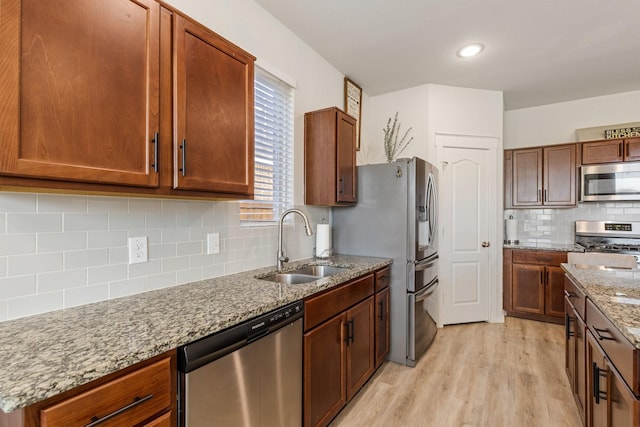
(247, 375)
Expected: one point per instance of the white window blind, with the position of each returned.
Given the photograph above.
(273, 187)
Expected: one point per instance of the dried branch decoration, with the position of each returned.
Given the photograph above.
(392, 147)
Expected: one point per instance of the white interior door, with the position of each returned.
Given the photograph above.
(467, 212)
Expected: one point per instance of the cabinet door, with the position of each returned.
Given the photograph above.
(596, 384)
(580, 383)
(360, 345)
(570, 343)
(623, 406)
(82, 90)
(554, 291)
(324, 371)
(527, 177)
(214, 112)
(559, 176)
(632, 149)
(382, 325)
(346, 158)
(528, 288)
(602, 152)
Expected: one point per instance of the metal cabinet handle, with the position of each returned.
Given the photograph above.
(620, 149)
(381, 315)
(137, 401)
(597, 393)
(155, 141)
(486, 244)
(183, 147)
(341, 185)
(349, 325)
(602, 337)
(626, 148)
(539, 195)
(567, 326)
(545, 195)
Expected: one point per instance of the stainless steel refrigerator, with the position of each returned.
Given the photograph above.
(396, 217)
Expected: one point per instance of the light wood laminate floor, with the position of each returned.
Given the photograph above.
(478, 374)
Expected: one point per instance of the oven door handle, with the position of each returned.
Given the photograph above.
(427, 291)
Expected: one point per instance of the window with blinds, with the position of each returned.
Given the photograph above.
(273, 186)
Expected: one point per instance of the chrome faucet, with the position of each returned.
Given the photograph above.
(281, 258)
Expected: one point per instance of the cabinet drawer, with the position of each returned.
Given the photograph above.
(144, 393)
(383, 278)
(539, 257)
(576, 295)
(625, 357)
(322, 307)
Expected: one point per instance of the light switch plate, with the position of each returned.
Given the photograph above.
(138, 250)
(213, 243)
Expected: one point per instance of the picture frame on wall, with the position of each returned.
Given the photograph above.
(353, 104)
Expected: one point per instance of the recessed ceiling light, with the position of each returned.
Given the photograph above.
(470, 50)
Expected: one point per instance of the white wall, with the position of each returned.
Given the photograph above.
(59, 251)
(557, 123)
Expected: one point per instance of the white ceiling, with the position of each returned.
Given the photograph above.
(536, 51)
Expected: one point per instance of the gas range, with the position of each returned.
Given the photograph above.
(621, 237)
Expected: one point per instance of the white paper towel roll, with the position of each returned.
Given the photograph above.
(511, 233)
(323, 241)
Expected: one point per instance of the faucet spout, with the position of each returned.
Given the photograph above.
(281, 258)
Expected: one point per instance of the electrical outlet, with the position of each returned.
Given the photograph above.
(138, 250)
(213, 243)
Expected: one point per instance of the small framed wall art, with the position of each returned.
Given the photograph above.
(353, 104)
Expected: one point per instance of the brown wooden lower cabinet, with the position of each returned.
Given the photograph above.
(344, 342)
(575, 358)
(141, 395)
(534, 284)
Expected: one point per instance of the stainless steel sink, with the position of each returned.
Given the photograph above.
(304, 274)
(290, 278)
(319, 270)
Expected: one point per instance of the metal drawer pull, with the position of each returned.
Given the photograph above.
(183, 147)
(137, 401)
(601, 337)
(570, 294)
(567, 326)
(597, 393)
(155, 141)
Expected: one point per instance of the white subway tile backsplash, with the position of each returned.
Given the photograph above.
(107, 239)
(17, 244)
(17, 202)
(58, 203)
(53, 242)
(127, 287)
(107, 273)
(60, 280)
(12, 287)
(35, 263)
(85, 222)
(59, 251)
(34, 304)
(88, 258)
(33, 223)
(80, 296)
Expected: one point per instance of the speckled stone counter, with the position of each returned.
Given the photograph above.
(543, 246)
(47, 354)
(615, 292)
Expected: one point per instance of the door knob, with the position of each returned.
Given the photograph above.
(486, 244)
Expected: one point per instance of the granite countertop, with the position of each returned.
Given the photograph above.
(47, 354)
(545, 246)
(616, 292)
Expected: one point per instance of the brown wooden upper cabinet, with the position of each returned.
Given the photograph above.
(611, 151)
(329, 158)
(90, 95)
(541, 176)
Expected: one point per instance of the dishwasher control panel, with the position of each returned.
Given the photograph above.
(273, 320)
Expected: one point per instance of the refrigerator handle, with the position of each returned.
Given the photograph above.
(425, 264)
(427, 291)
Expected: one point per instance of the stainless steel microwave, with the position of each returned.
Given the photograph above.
(615, 181)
